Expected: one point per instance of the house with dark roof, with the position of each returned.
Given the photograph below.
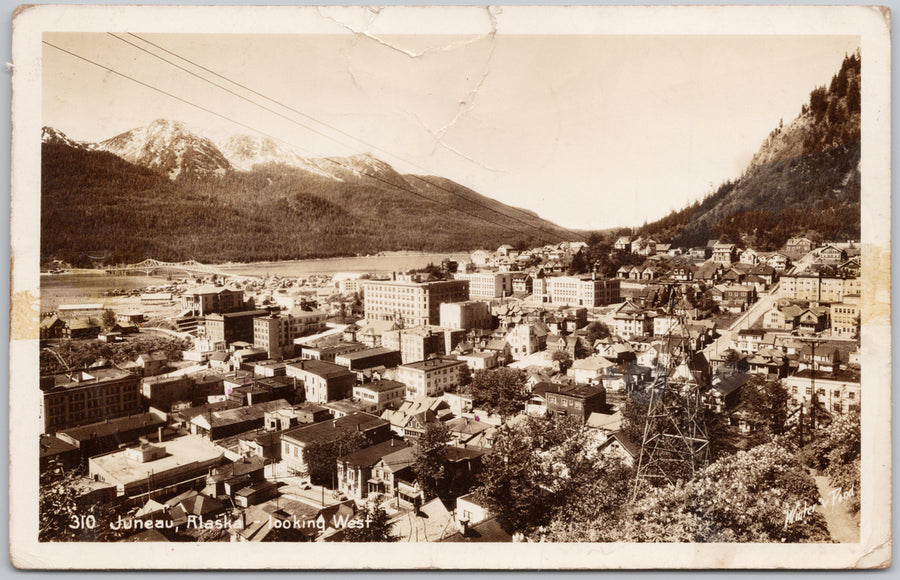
(294, 441)
(225, 423)
(575, 400)
(618, 444)
(52, 327)
(354, 470)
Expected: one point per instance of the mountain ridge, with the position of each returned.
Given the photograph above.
(803, 180)
(152, 206)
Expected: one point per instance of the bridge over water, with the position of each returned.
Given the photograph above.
(150, 265)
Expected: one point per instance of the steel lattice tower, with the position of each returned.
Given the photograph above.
(675, 441)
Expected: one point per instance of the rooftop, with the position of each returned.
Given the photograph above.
(369, 456)
(212, 419)
(320, 368)
(361, 354)
(327, 430)
(113, 426)
(382, 386)
(95, 377)
(433, 364)
(179, 451)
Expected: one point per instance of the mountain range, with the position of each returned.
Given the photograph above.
(165, 192)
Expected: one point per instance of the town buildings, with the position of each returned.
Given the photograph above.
(411, 303)
(276, 332)
(322, 381)
(430, 378)
(588, 291)
(465, 315)
(82, 397)
(487, 285)
(210, 299)
(294, 441)
(231, 326)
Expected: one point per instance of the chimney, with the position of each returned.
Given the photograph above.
(334, 423)
(465, 527)
(159, 434)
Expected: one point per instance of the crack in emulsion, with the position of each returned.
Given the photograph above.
(465, 106)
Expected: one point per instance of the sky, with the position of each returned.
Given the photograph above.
(589, 131)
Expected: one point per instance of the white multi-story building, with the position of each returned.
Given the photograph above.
(589, 291)
(487, 285)
(380, 395)
(466, 315)
(430, 378)
(411, 303)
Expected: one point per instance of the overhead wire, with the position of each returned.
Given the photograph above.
(332, 128)
(256, 130)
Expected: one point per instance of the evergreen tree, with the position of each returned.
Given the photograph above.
(430, 465)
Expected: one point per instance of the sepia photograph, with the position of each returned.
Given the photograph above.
(297, 287)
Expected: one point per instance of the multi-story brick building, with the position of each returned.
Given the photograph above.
(231, 326)
(82, 397)
(276, 332)
(322, 381)
(411, 303)
(845, 316)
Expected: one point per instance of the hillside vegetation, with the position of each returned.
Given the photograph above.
(94, 201)
(803, 180)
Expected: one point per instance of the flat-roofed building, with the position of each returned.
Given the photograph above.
(487, 285)
(276, 332)
(227, 422)
(83, 397)
(109, 435)
(328, 352)
(369, 358)
(430, 378)
(148, 469)
(466, 315)
(845, 316)
(420, 342)
(231, 326)
(587, 291)
(411, 303)
(322, 381)
(575, 400)
(380, 395)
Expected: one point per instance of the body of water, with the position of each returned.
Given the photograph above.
(381, 264)
(83, 287)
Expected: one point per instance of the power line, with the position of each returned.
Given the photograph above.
(236, 122)
(333, 128)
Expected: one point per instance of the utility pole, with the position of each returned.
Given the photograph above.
(814, 399)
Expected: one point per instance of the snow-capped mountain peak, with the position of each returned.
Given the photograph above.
(169, 147)
(57, 137)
